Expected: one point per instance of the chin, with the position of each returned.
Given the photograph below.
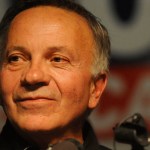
(36, 123)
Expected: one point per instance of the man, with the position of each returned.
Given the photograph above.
(54, 63)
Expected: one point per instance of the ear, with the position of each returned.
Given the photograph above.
(97, 88)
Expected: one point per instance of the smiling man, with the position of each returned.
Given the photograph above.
(54, 63)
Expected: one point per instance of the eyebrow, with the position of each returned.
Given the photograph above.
(51, 49)
(21, 48)
(17, 48)
(57, 48)
(60, 49)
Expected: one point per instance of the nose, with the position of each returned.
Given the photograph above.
(35, 75)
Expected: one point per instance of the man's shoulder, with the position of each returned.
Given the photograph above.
(3, 143)
(103, 148)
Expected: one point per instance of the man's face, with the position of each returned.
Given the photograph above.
(46, 80)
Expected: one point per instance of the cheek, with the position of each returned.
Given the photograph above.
(8, 82)
(75, 89)
(75, 97)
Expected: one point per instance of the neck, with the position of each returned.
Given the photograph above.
(45, 138)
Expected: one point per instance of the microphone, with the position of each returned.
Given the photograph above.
(69, 144)
(133, 131)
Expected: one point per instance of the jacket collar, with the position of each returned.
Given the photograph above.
(90, 140)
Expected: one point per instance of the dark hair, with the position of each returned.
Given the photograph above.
(102, 42)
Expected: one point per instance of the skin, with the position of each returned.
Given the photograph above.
(45, 79)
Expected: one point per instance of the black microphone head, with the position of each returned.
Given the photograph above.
(65, 145)
(68, 144)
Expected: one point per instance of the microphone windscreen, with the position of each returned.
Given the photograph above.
(65, 145)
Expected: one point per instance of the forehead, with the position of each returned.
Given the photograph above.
(45, 17)
(48, 14)
(58, 26)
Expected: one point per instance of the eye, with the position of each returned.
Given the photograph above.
(13, 59)
(59, 59)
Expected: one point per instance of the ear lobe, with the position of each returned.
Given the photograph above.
(97, 89)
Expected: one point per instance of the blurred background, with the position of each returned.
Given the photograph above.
(128, 90)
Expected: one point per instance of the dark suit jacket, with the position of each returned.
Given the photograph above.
(10, 140)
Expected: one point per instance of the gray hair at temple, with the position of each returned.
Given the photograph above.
(100, 34)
